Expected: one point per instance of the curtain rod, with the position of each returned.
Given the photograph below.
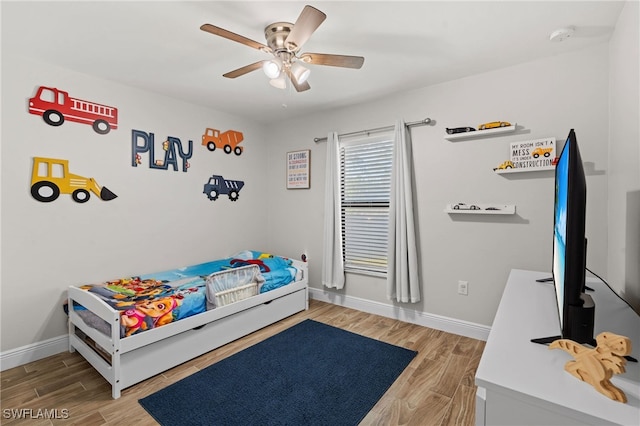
(378, 129)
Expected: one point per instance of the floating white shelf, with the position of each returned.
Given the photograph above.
(483, 209)
(532, 169)
(481, 133)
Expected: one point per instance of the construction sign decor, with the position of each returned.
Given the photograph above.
(228, 141)
(533, 154)
(55, 106)
(51, 177)
(172, 148)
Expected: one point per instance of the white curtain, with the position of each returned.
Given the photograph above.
(403, 283)
(332, 261)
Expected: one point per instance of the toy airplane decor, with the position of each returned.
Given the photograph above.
(597, 366)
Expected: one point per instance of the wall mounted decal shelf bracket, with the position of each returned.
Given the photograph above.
(532, 169)
(476, 208)
(479, 134)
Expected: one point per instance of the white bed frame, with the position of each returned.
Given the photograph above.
(141, 356)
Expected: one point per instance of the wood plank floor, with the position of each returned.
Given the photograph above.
(437, 388)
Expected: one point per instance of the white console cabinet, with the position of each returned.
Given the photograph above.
(524, 383)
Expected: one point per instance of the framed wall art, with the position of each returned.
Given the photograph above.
(299, 169)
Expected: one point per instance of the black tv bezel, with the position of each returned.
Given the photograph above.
(578, 310)
(575, 249)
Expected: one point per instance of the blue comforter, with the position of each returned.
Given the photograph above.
(152, 300)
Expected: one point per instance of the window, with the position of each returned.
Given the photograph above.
(47, 95)
(50, 170)
(365, 183)
(57, 170)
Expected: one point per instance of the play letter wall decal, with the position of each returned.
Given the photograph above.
(171, 146)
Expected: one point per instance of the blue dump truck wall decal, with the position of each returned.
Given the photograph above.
(217, 185)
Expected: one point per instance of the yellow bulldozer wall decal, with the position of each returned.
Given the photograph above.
(171, 147)
(50, 178)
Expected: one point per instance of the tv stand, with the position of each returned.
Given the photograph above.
(523, 383)
(581, 323)
(546, 340)
(550, 280)
(549, 340)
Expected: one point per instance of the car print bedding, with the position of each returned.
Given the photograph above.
(149, 301)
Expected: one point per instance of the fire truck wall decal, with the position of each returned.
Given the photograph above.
(55, 106)
(171, 147)
(51, 177)
(228, 141)
(217, 185)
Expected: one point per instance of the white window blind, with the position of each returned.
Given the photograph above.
(365, 185)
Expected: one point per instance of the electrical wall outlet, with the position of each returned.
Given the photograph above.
(463, 287)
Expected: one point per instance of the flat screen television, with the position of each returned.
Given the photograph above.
(576, 309)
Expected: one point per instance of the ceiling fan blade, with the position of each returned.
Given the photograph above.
(234, 37)
(300, 87)
(244, 70)
(333, 60)
(309, 20)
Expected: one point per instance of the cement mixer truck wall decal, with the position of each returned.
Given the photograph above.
(55, 106)
(51, 177)
(228, 141)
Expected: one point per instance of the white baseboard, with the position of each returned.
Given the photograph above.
(438, 322)
(33, 352)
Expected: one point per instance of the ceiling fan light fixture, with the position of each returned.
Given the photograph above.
(300, 72)
(280, 82)
(272, 68)
(284, 40)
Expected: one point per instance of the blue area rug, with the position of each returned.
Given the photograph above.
(309, 374)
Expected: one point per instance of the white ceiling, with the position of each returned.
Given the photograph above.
(158, 46)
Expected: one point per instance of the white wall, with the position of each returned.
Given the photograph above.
(546, 98)
(624, 156)
(160, 220)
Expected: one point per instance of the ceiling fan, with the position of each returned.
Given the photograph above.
(284, 41)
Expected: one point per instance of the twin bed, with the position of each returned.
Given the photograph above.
(133, 328)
